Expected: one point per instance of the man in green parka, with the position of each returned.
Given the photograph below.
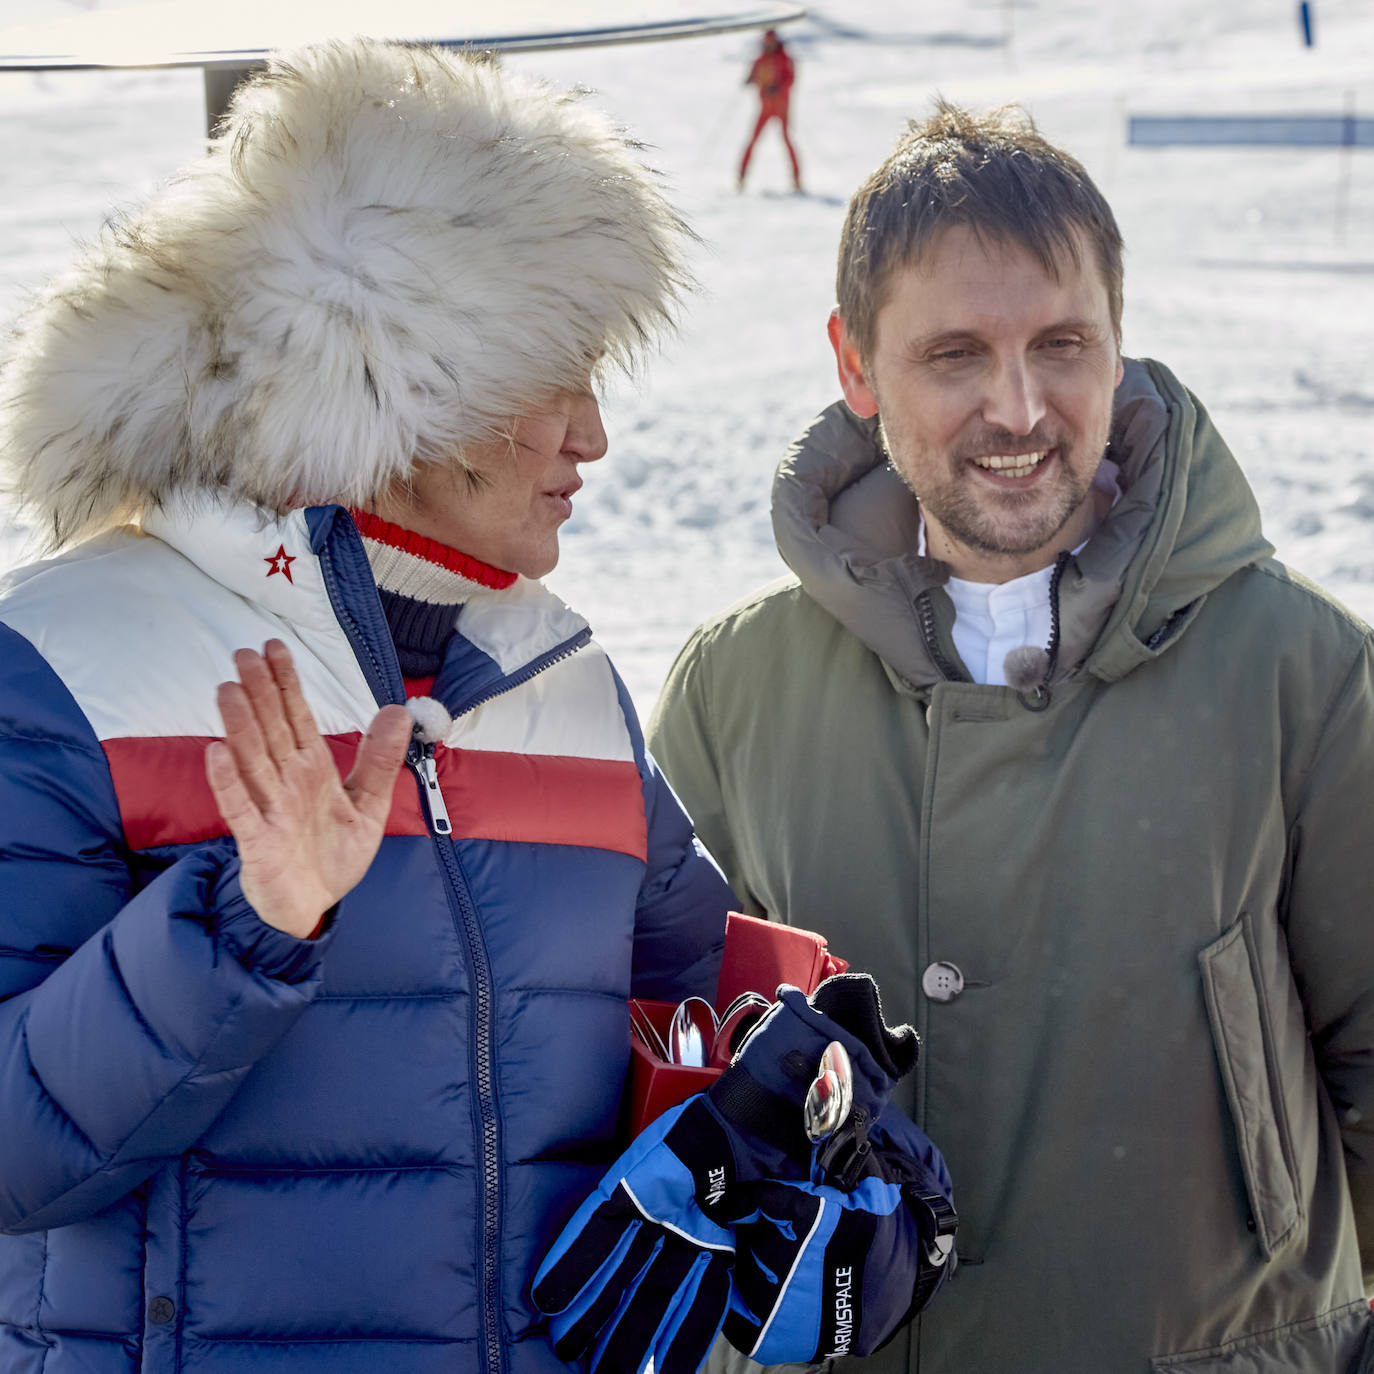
(1040, 733)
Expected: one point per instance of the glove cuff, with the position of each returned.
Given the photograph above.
(766, 1118)
(852, 1001)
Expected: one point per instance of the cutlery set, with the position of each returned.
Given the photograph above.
(698, 1037)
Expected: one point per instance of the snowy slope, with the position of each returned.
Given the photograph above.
(1249, 271)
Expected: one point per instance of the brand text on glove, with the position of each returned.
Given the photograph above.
(844, 1311)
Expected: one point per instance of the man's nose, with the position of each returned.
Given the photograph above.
(1015, 400)
(586, 439)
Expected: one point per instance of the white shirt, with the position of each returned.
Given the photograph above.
(993, 618)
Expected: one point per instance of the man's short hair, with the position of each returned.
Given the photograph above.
(992, 173)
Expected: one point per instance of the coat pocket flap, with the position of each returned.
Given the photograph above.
(1233, 1007)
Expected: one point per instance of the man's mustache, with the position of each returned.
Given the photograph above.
(997, 441)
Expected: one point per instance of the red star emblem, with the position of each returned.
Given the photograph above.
(281, 562)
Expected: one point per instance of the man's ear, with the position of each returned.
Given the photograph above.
(858, 394)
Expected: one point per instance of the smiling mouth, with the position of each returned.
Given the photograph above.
(1012, 464)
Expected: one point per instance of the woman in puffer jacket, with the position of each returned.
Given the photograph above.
(312, 1007)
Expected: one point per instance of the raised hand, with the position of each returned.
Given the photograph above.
(305, 836)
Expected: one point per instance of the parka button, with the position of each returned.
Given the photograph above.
(161, 1311)
(942, 982)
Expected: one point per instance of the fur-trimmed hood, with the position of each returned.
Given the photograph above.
(386, 254)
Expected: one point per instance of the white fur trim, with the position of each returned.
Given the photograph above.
(432, 720)
(387, 253)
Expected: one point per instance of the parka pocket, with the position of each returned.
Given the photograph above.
(1337, 1342)
(1240, 1030)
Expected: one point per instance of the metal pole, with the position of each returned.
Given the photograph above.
(219, 86)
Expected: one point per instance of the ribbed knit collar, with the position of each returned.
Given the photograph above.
(411, 565)
(422, 585)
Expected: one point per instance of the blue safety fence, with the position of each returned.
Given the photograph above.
(1294, 131)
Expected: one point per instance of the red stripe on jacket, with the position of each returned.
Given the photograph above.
(164, 797)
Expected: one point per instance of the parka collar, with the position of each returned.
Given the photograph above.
(278, 563)
(846, 525)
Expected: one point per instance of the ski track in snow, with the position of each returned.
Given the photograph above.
(1249, 271)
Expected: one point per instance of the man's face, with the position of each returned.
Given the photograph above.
(993, 382)
(512, 518)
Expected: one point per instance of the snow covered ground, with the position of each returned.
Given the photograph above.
(1249, 271)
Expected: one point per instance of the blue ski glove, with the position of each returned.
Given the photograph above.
(823, 1272)
(845, 1241)
(643, 1268)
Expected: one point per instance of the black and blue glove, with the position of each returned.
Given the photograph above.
(844, 1241)
(643, 1269)
(837, 1244)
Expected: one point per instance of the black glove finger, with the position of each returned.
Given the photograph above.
(586, 1252)
(652, 1300)
(582, 1335)
(699, 1324)
(851, 1000)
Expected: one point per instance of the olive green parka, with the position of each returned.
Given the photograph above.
(1147, 891)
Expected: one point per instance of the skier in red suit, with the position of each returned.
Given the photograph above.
(773, 73)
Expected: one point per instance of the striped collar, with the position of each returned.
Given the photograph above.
(410, 565)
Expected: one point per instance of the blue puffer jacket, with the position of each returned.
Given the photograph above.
(225, 1149)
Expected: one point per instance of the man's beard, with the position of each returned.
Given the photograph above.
(977, 519)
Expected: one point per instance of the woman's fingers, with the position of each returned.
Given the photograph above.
(380, 755)
(232, 797)
(266, 697)
(244, 739)
(274, 756)
(296, 711)
(267, 725)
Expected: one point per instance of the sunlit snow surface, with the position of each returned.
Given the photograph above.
(1249, 271)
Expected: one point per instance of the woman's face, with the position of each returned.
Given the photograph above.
(510, 517)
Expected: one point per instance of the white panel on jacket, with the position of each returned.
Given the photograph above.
(570, 709)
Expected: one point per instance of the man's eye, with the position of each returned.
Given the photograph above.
(1060, 344)
(949, 355)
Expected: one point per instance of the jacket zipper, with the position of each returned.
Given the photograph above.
(482, 1048)
(481, 1053)
(384, 689)
(532, 669)
(422, 764)
(925, 618)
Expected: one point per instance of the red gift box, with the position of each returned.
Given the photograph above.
(759, 955)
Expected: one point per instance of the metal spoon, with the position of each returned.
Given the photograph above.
(691, 1031)
(736, 1021)
(648, 1034)
(830, 1098)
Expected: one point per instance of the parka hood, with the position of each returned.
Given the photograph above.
(846, 524)
(387, 253)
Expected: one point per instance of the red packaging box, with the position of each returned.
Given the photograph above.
(759, 955)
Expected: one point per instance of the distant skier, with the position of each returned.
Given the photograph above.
(773, 73)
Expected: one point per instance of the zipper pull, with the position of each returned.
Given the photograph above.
(428, 774)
